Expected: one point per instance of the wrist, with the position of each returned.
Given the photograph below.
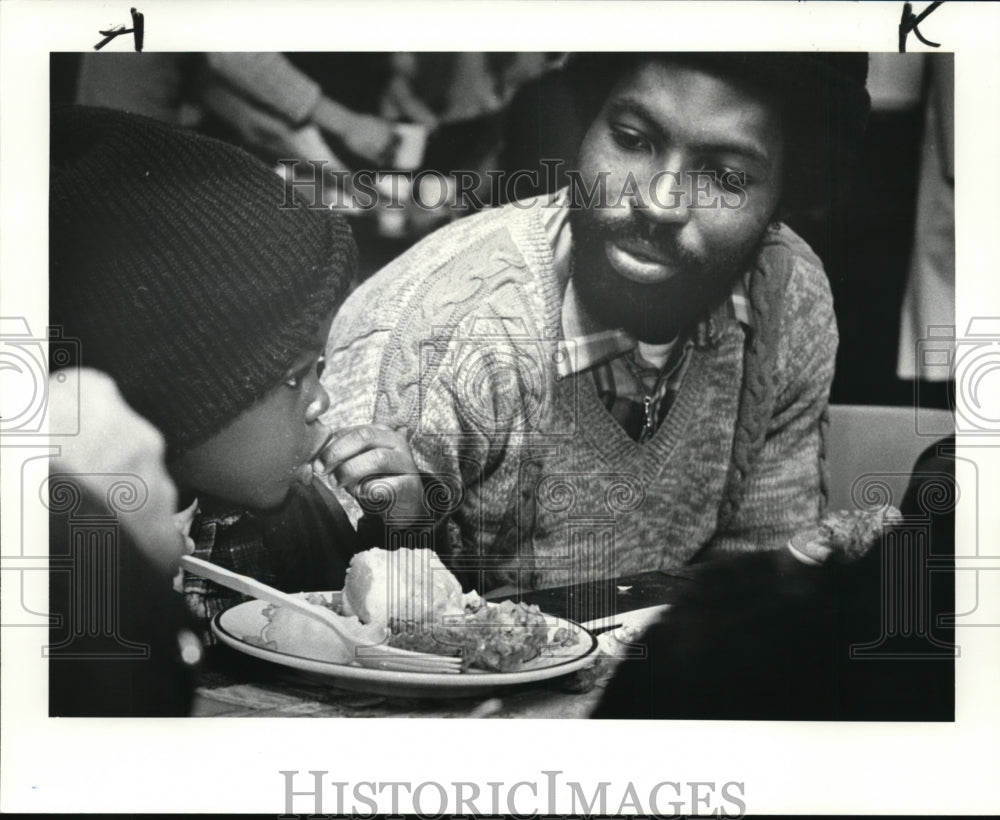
(333, 117)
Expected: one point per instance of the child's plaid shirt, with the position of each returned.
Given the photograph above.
(304, 546)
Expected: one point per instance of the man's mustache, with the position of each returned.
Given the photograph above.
(658, 242)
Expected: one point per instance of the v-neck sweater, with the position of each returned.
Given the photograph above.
(457, 340)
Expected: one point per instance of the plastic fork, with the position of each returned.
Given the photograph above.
(376, 656)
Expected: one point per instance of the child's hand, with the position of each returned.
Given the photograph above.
(373, 463)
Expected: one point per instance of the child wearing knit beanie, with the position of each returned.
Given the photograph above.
(190, 278)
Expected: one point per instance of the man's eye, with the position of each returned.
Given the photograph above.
(724, 176)
(732, 177)
(320, 366)
(714, 171)
(630, 140)
(727, 174)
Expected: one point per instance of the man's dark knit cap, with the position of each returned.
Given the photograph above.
(820, 86)
(177, 263)
(821, 94)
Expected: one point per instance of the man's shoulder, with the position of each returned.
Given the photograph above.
(478, 288)
(783, 247)
(786, 257)
(493, 263)
(792, 303)
(493, 237)
(802, 304)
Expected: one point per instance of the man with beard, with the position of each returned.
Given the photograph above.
(632, 373)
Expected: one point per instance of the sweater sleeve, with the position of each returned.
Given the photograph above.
(784, 491)
(467, 394)
(477, 421)
(445, 342)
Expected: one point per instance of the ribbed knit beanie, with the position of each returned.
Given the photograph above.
(178, 264)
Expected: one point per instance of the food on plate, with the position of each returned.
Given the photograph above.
(413, 597)
(296, 634)
(843, 535)
(406, 584)
(498, 637)
(418, 598)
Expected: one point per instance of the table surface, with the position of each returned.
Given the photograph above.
(236, 685)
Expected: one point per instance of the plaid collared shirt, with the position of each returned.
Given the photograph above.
(213, 540)
(305, 545)
(637, 392)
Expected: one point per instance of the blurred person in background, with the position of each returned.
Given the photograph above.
(262, 102)
(929, 295)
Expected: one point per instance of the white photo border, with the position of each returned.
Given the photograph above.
(211, 765)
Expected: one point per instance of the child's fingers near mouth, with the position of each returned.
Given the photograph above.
(317, 463)
(350, 442)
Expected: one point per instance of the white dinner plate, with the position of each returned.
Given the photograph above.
(239, 626)
(625, 640)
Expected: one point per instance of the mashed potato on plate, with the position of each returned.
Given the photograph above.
(406, 584)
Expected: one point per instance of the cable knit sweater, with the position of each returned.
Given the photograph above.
(457, 340)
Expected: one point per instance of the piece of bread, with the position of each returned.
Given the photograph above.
(405, 585)
(296, 634)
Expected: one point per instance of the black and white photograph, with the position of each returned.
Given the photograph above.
(643, 388)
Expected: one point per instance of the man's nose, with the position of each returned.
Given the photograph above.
(318, 406)
(666, 198)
